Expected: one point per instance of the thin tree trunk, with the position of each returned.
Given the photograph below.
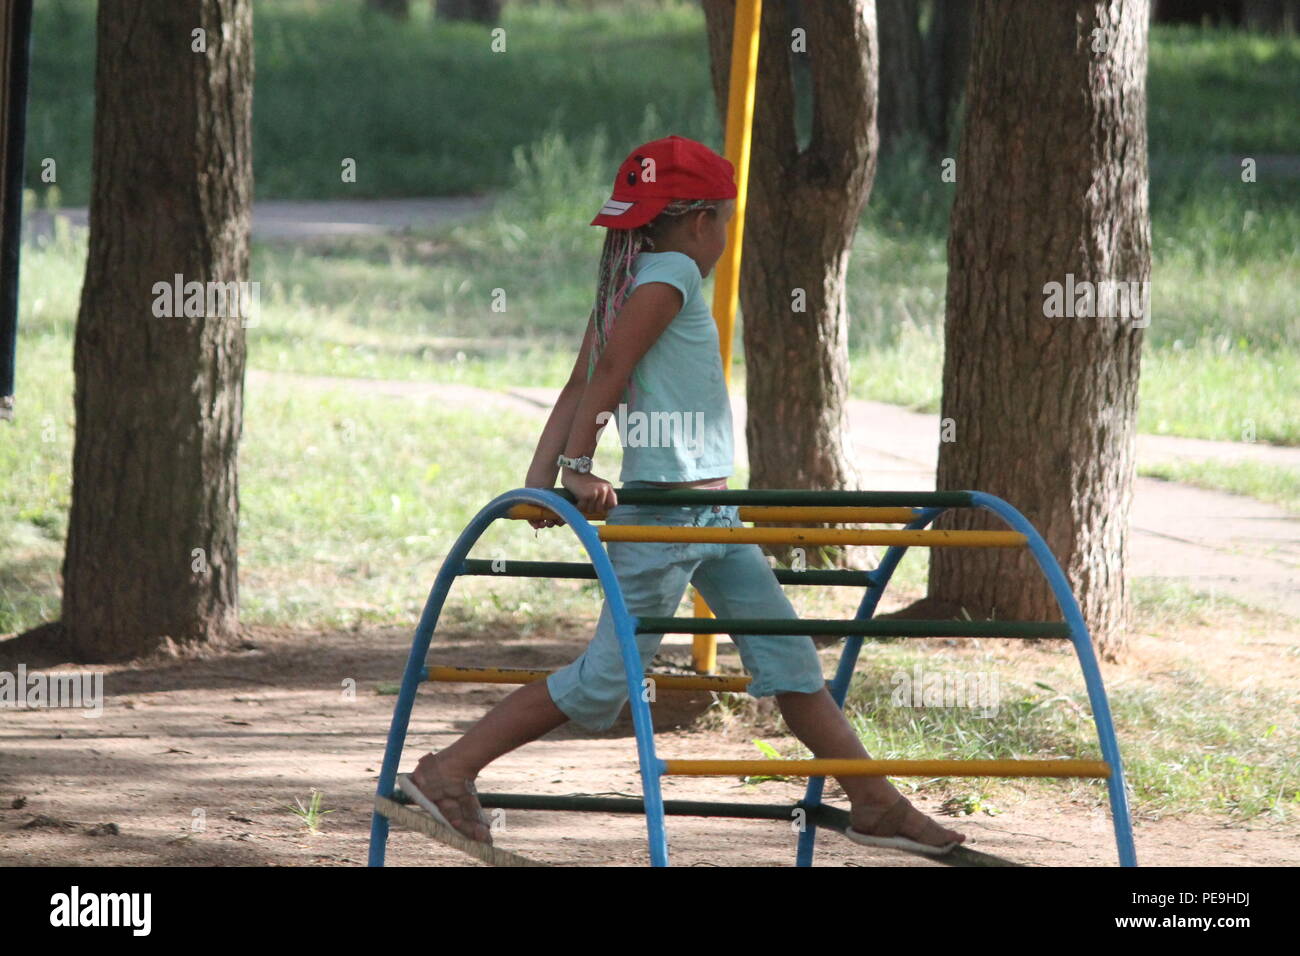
(1271, 16)
(397, 9)
(151, 553)
(902, 73)
(15, 47)
(947, 58)
(1051, 188)
(803, 211)
(475, 11)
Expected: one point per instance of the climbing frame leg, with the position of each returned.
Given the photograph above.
(844, 671)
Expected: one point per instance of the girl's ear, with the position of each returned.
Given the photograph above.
(701, 221)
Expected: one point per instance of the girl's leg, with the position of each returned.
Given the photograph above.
(739, 583)
(447, 776)
(824, 730)
(592, 689)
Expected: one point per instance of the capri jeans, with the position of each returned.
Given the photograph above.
(734, 578)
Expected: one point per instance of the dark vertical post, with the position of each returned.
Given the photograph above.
(15, 57)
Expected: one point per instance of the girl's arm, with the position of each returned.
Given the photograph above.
(644, 316)
(543, 470)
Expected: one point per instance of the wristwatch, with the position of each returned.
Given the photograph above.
(581, 465)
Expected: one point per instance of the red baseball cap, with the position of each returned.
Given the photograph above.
(656, 173)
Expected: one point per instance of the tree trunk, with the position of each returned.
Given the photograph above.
(397, 9)
(1051, 188)
(803, 211)
(151, 553)
(947, 58)
(1271, 16)
(475, 11)
(902, 73)
(15, 47)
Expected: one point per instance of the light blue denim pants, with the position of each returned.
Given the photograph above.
(735, 579)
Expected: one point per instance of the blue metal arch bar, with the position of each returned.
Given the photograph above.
(1079, 637)
(625, 628)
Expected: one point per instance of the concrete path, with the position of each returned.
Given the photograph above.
(1225, 544)
(314, 219)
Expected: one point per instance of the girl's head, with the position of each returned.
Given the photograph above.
(670, 195)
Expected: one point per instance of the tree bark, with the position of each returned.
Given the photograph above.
(152, 534)
(1051, 183)
(803, 210)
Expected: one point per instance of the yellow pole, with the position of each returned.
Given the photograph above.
(726, 280)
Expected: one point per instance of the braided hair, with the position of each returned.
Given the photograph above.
(622, 246)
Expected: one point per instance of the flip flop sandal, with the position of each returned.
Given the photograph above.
(886, 829)
(408, 787)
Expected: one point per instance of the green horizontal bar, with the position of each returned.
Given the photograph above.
(574, 569)
(831, 818)
(877, 628)
(582, 804)
(682, 808)
(766, 496)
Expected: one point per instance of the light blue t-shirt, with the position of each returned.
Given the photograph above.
(675, 419)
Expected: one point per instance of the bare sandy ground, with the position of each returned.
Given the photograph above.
(196, 761)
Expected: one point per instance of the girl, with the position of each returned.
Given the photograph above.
(651, 350)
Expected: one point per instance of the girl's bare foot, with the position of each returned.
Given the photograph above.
(452, 791)
(900, 819)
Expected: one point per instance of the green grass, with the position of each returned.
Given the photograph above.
(1272, 483)
(423, 108)
(1222, 91)
(311, 815)
(1193, 746)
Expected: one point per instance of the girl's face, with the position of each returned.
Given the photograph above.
(700, 235)
(711, 236)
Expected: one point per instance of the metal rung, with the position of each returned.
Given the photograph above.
(831, 818)
(888, 768)
(878, 628)
(522, 675)
(775, 497)
(573, 569)
(828, 515)
(812, 536)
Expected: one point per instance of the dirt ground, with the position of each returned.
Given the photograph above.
(196, 761)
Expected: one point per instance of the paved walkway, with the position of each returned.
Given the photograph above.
(1211, 541)
(312, 219)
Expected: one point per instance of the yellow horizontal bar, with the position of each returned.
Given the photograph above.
(813, 536)
(828, 515)
(888, 768)
(522, 675)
